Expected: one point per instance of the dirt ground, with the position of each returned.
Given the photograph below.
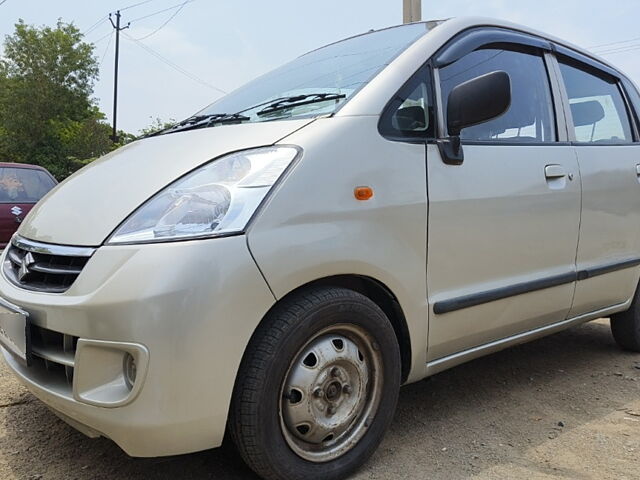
(567, 406)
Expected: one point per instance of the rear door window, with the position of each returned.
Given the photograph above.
(23, 185)
(530, 117)
(597, 107)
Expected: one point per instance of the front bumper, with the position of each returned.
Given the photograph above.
(187, 308)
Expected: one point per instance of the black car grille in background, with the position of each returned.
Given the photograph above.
(44, 267)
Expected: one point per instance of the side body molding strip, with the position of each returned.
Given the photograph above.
(458, 303)
(474, 299)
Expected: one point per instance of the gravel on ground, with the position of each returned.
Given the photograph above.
(563, 407)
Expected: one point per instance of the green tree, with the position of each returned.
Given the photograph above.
(47, 113)
(156, 125)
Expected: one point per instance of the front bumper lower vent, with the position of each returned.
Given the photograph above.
(54, 357)
(44, 267)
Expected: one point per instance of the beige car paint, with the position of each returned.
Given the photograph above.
(88, 206)
(329, 232)
(496, 221)
(610, 224)
(194, 305)
(177, 300)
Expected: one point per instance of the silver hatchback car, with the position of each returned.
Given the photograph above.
(372, 213)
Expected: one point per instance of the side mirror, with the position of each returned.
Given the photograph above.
(471, 103)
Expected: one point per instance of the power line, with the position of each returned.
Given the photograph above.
(135, 5)
(619, 49)
(165, 23)
(629, 48)
(176, 67)
(104, 19)
(179, 6)
(171, 64)
(94, 26)
(615, 43)
(102, 38)
(158, 12)
(118, 29)
(107, 48)
(2, 1)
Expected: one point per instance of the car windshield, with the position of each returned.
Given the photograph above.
(23, 185)
(317, 82)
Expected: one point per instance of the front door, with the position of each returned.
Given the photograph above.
(503, 225)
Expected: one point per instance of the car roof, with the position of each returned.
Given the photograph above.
(22, 165)
(465, 22)
(493, 22)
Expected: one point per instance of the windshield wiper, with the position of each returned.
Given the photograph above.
(298, 100)
(283, 103)
(203, 121)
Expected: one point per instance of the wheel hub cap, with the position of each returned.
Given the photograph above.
(327, 395)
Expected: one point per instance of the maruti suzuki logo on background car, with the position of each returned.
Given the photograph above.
(16, 210)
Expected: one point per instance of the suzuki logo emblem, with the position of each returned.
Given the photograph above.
(16, 210)
(27, 261)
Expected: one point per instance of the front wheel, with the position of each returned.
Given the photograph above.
(317, 388)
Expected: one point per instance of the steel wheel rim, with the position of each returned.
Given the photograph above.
(330, 393)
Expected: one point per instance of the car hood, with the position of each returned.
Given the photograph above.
(85, 208)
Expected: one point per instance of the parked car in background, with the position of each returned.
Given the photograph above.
(21, 187)
(370, 214)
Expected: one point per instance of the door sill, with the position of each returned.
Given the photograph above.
(452, 360)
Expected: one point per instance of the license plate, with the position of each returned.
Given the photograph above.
(14, 331)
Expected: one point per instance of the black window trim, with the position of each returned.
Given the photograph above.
(588, 62)
(630, 112)
(478, 37)
(628, 85)
(424, 73)
(604, 72)
(634, 113)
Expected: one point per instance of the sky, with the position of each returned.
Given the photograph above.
(214, 46)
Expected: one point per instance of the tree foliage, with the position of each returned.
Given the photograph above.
(156, 125)
(47, 114)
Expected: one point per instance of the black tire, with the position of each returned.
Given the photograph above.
(256, 423)
(625, 326)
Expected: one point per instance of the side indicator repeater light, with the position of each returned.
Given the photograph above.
(363, 193)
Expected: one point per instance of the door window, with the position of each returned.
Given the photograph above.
(597, 107)
(530, 118)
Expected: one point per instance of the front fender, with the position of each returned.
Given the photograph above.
(313, 227)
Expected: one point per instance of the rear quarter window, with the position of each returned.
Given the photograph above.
(23, 185)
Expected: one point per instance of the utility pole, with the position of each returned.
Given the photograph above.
(114, 136)
(411, 11)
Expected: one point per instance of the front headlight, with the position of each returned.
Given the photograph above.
(218, 198)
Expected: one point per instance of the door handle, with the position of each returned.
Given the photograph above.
(556, 171)
(638, 169)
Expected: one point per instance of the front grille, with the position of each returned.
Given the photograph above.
(44, 267)
(53, 356)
